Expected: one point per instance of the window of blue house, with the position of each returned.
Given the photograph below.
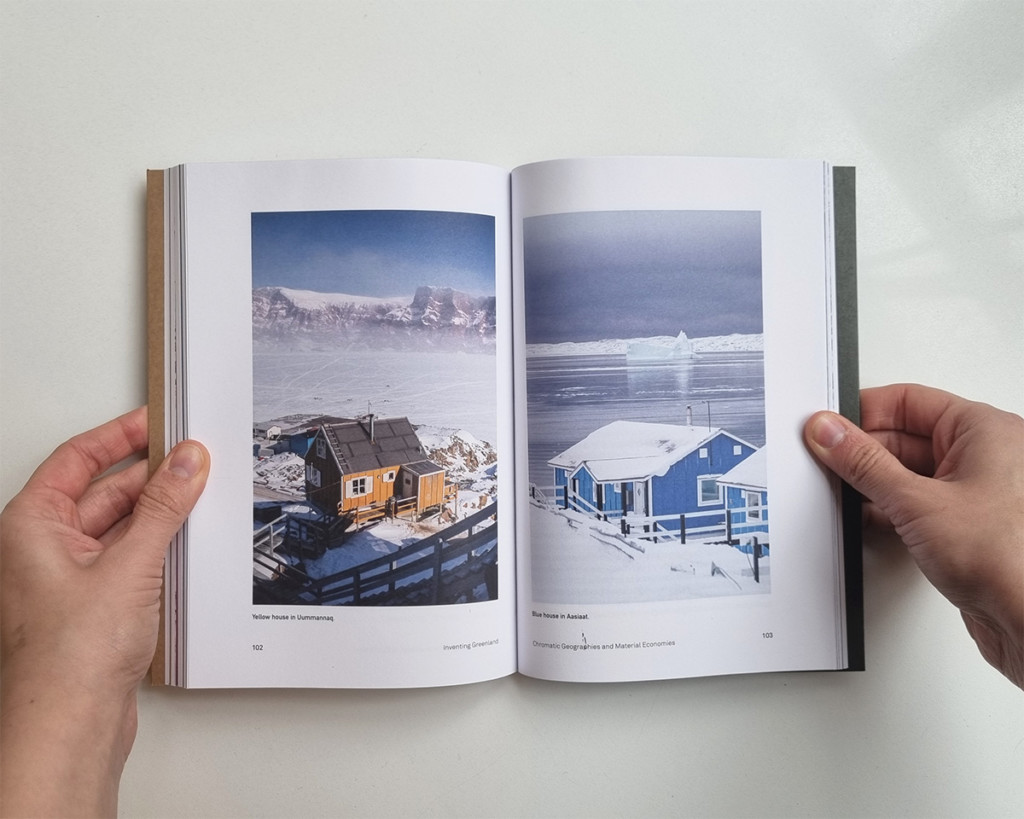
(709, 491)
(753, 505)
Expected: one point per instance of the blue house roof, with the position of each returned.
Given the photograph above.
(635, 450)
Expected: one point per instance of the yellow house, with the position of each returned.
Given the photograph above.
(371, 462)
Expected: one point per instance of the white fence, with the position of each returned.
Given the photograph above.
(657, 528)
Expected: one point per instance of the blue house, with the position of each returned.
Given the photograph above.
(290, 433)
(645, 470)
(746, 498)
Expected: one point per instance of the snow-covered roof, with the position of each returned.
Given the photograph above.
(633, 450)
(750, 473)
(423, 468)
(297, 422)
(363, 445)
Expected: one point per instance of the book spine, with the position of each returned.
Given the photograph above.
(155, 364)
(845, 204)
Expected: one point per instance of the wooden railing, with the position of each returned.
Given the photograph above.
(450, 493)
(756, 528)
(464, 553)
(654, 528)
(269, 537)
(270, 571)
(395, 508)
(382, 578)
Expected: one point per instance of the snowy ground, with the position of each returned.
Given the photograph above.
(578, 559)
(279, 477)
(383, 539)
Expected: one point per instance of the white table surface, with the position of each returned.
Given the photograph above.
(926, 99)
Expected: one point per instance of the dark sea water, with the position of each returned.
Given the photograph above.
(568, 397)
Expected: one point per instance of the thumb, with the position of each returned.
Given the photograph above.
(168, 498)
(859, 459)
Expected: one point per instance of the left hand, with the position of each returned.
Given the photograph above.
(82, 567)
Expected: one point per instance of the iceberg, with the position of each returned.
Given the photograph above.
(660, 348)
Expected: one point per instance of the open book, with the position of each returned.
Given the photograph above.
(465, 423)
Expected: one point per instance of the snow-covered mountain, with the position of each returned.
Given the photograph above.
(436, 317)
(466, 459)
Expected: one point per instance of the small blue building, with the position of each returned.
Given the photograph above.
(648, 470)
(746, 498)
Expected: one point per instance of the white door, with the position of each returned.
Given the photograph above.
(640, 499)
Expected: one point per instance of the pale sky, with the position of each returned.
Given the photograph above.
(626, 274)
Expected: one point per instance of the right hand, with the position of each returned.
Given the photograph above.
(948, 474)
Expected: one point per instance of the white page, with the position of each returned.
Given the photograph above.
(797, 622)
(226, 646)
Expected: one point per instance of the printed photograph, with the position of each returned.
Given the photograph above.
(645, 406)
(374, 408)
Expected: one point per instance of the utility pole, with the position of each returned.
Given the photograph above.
(689, 412)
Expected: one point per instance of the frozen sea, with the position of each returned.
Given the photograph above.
(571, 396)
(449, 389)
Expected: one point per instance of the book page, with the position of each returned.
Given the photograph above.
(674, 331)
(346, 352)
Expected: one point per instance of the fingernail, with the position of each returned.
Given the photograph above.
(828, 431)
(186, 461)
